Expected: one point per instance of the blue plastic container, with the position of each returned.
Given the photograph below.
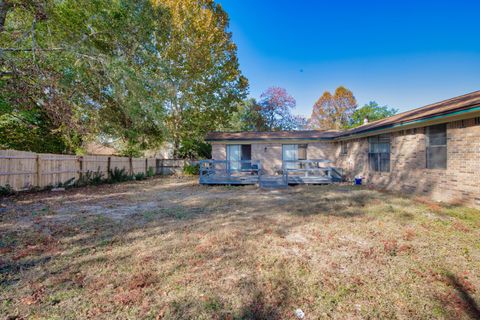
(358, 181)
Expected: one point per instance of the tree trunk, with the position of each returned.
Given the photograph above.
(4, 7)
(177, 119)
(176, 147)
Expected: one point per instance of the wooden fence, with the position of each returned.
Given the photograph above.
(24, 170)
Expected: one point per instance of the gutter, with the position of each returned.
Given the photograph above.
(410, 123)
(268, 139)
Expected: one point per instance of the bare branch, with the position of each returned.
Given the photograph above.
(30, 49)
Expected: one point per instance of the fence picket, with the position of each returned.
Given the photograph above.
(22, 170)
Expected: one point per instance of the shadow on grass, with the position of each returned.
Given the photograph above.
(267, 296)
(260, 309)
(334, 203)
(10, 269)
(470, 306)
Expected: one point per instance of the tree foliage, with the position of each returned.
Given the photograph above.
(29, 130)
(248, 117)
(372, 112)
(333, 111)
(272, 113)
(276, 107)
(88, 66)
(203, 80)
(135, 72)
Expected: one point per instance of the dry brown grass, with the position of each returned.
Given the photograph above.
(171, 249)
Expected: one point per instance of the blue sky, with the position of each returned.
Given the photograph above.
(404, 54)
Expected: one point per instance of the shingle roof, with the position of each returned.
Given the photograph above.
(441, 108)
(445, 107)
(271, 135)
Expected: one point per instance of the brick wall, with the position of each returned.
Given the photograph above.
(355, 161)
(270, 154)
(219, 151)
(458, 183)
(321, 150)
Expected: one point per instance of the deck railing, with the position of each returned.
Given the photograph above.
(250, 172)
(309, 168)
(229, 167)
(312, 170)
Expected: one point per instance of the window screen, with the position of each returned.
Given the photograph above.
(379, 153)
(291, 153)
(436, 147)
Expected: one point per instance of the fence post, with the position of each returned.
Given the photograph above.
(80, 166)
(131, 165)
(38, 169)
(146, 165)
(109, 164)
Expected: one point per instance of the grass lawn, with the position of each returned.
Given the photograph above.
(171, 249)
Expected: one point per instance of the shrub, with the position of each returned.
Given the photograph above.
(140, 176)
(194, 149)
(150, 172)
(191, 169)
(96, 178)
(6, 190)
(119, 175)
(67, 184)
(91, 178)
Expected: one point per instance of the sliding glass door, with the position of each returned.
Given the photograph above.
(239, 156)
(234, 155)
(290, 154)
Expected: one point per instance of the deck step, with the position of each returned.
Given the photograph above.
(273, 185)
(272, 182)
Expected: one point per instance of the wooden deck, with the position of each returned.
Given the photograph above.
(233, 180)
(249, 172)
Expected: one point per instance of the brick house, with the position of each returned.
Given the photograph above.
(432, 151)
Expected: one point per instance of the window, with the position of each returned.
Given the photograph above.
(343, 147)
(291, 153)
(436, 146)
(477, 121)
(238, 155)
(379, 153)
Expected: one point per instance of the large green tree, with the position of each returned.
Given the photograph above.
(134, 72)
(371, 111)
(248, 117)
(89, 66)
(202, 74)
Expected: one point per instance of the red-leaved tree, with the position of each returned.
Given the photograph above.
(276, 106)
